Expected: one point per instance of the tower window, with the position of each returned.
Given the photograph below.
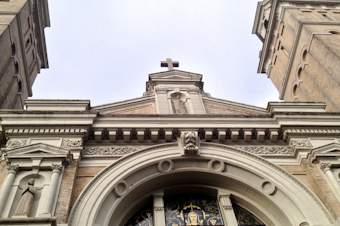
(27, 42)
(283, 28)
(265, 24)
(29, 22)
(278, 46)
(13, 49)
(275, 59)
(19, 86)
(16, 66)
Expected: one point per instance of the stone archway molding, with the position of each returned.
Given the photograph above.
(264, 183)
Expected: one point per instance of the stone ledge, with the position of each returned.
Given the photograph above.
(39, 221)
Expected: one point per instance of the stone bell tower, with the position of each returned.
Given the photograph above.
(22, 49)
(301, 49)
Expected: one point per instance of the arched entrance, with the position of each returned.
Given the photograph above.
(251, 182)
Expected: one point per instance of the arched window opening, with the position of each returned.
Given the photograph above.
(195, 209)
(334, 32)
(304, 56)
(16, 66)
(265, 24)
(19, 86)
(299, 73)
(275, 59)
(278, 46)
(13, 49)
(295, 90)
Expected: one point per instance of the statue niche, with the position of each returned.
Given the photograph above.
(178, 103)
(26, 200)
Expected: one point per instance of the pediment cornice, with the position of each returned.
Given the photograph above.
(39, 151)
(328, 150)
(175, 75)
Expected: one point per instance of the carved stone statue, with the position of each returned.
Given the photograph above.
(26, 200)
(179, 105)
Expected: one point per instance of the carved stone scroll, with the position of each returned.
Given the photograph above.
(301, 143)
(97, 151)
(72, 143)
(261, 150)
(16, 143)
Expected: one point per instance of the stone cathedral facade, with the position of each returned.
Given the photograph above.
(178, 156)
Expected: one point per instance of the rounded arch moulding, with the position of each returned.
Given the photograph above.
(263, 188)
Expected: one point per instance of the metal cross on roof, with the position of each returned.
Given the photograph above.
(169, 63)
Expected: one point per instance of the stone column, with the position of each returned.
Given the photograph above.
(227, 210)
(326, 167)
(56, 169)
(158, 209)
(6, 187)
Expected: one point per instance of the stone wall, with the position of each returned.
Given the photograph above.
(3, 172)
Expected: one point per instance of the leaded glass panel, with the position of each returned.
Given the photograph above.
(191, 210)
(143, 217)
(245, 218)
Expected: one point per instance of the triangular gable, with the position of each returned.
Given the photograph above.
(216, 106)
(175, 75)
(142, 105)
(328, 150)
(38, 151)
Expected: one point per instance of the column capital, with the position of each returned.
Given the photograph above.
(325, 166)
(56, 167)
(224, 199)
(13, 168)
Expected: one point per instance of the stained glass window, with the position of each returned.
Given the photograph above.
(191, 210)
(245, 218)
(143, 217)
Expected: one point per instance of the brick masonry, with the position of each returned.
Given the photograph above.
(215, 109)
(148, 108)
(84, 176)
(321, 188)
(65, 194)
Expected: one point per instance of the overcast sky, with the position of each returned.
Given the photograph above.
(103, 51)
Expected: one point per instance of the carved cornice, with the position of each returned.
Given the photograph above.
(227, 207)
(72, 143)
(310, 132)
(161, 90)
(270, 150)
(301, 143)
(45, 131)
(107, 151)
(16, 143)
